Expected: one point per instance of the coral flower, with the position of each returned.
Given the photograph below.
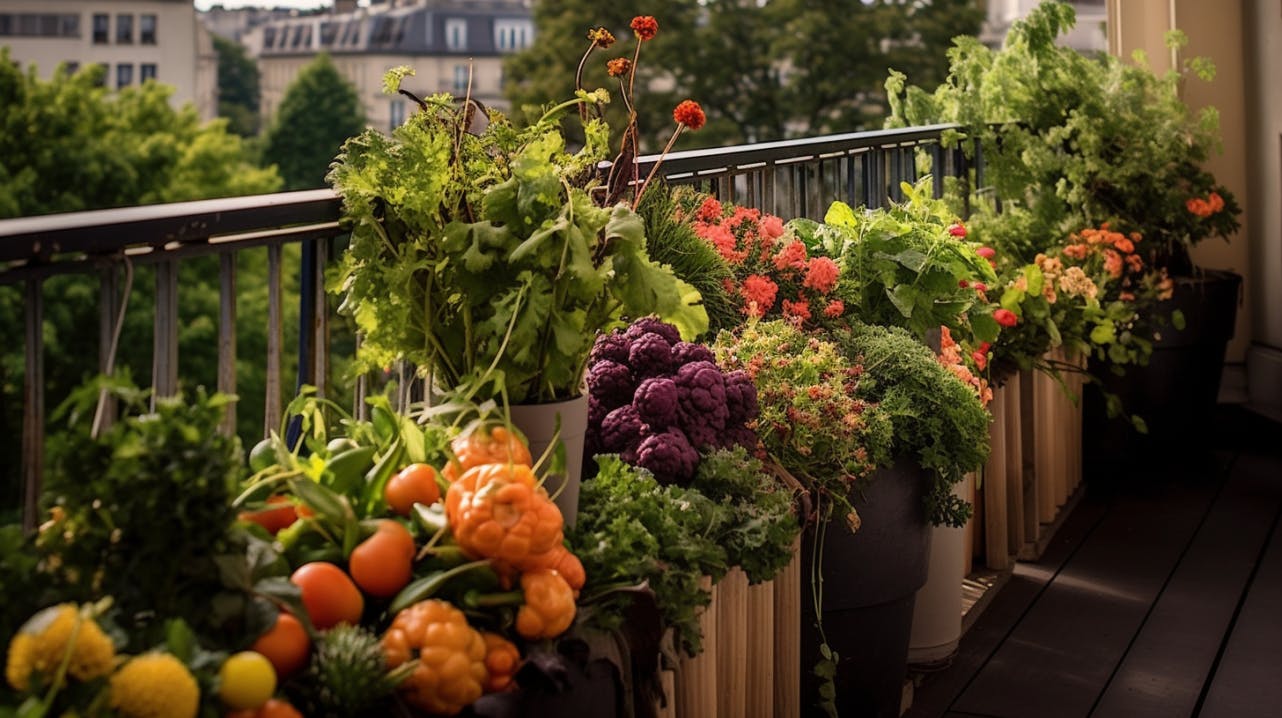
(771, 227)
(834, 309)
(1005, 317)
(792, 256)
(798, 311)
(986, 252)
(821, 275)
(645, 26)
(1112, 263)
(602, 37)
(618, 67)
(957, 230)
(690, 114)
(709, 211)
(760, 291)
(1075, 251)
(980, 287)
(980, 359)
(1199, 207)
(1123, 245)
(1216, 202)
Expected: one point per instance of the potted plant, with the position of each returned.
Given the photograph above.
(489, 257)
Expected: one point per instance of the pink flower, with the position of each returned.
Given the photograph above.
(957, 230)
(986, 252)
(759, 291)
(792, 256)
(1005, 317)
(821, 275)
(834, 309)
(980, 287)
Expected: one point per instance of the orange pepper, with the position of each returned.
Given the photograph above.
(561, 560)
(502, 659)
(495, 446)
(451, 671)
(549, 605)
(497, 512)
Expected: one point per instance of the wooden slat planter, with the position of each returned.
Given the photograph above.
(696, 679)
(1054, 452)
(732, 643)
(760, 631)
(787, 639)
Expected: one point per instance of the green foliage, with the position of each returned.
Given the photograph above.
(140, 511)
(763, 526)
(900, 266)
(238, 89)
(731, 57)
(483, 259)
(1072, 141)
(673, 242)
(320, 111)
(631, 529)
(937, 418)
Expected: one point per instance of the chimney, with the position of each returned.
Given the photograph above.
(344, 7)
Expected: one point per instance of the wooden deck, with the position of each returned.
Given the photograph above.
(1161, 595)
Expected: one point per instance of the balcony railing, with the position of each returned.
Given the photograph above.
(795, 178)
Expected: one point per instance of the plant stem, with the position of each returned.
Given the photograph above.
(636, 201)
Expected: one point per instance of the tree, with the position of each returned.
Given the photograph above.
(237, 87)
(69, 144)
(762, 70)
(321, 110)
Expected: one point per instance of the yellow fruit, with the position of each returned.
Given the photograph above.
(246, 680)
(40, 645)
(155, 685)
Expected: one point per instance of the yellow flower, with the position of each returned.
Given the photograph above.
(155, 685)
(42, 643)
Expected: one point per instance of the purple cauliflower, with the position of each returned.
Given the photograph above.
(741, 397)
(669, 456)
(656, 402)
(611, 384)
(621, 429)
(701, 405)
(652, 325)
(738, 435)
(689, 352)
(650, 355)
(596, 412)
(613, 347)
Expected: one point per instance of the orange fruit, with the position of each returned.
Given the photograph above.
(273, 519)
(328, 594)
(285, 644)
(383, 563)
(415, 483)
(276, 708)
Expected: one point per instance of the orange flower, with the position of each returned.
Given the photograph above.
(618, 67)
(1123, 245)
(834, 309)
(1216, 202)
(601, 37)
(690, 114)
(1199, 207)
(1112, 263)
(645, 26)
(1075, 251)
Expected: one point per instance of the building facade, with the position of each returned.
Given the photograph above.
(1088, 35)
(135, 40)
(451, 44)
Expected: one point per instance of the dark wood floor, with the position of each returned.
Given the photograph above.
(1160, 596)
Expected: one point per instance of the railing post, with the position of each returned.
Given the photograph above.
(33, 419)
(108, 308)
(271, 399)
(164, 367)
(227, 336)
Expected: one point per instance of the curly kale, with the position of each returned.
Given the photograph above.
(760, 537)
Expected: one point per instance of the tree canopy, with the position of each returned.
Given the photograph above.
(762, 70)
(238, 91)
(320, 111)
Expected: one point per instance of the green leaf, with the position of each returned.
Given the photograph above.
(840, 214)
(180, 640)
(904, 297)
(1103, 334)
(1177, 320)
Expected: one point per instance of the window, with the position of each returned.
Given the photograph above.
(456, 34)
(460, 79)
(125, 29)
(269, 37)
(6, 24)
(147, 29)
(396, 114)
(101, 25)
(328, 32)
(69, 26)
(511, 35)
(298, 36)
(124, 75)
(146, 71)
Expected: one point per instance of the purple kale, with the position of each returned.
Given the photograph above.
(611, 384)
(689, 352)
(653, 325)
(650, 355)
(613, 347)
(656, 402)
(669, 456)
(741, 397)
(621, 429)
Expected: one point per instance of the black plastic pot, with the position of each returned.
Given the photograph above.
(870, 581)
(1175, 394)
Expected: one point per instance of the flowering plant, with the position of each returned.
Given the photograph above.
(775, 274)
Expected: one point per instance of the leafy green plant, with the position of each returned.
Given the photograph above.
(482, 253)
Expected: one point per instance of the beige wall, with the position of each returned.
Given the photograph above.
(176, 53)
(365, 72)
(1215, 30)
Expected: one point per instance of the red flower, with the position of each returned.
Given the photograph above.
(618, 67)
(645, 26)
(799, 311)
(834, 309)
(688, 113)
(792, 256)
(821, 275)
(1006, 317)
(1216, 202)
(601, 37)
(963, 284)
(957, 230)
(759, 291)
(709, 211)
(771, 228)
(980, 287)
(1135, 263)
(980, 359)
(986, 252)
(984, 347)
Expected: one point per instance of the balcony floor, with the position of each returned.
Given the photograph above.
(1160, 597)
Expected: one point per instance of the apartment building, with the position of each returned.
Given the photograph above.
(136, 40)
(1088, 35)
(447, 42)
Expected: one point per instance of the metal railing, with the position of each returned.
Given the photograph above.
(795, 178)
